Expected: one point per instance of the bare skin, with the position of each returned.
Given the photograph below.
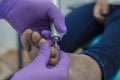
(83, 67)
(101, 7)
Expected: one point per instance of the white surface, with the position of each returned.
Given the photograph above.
(0, 1)
(115, 2)
(8, 37)
(75, 3)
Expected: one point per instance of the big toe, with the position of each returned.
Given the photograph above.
(36, 38)
(24, 38)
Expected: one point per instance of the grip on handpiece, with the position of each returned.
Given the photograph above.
(55, 35)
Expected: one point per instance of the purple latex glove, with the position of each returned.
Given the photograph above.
(39, 70)
(34, 14)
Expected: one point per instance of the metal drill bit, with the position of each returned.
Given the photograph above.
(55, 44)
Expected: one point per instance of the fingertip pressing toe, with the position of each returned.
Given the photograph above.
(43, 41)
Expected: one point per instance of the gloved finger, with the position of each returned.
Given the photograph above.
(57, 18)
(44, 55)
(46, 34)
(64, 61)
(50, 42)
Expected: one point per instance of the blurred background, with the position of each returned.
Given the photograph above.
(12, 56)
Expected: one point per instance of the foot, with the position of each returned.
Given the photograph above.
(31, 42)
(82, 67)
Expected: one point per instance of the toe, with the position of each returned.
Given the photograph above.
(54, 57)
(35, 38)
(43, 41)
(24, 39)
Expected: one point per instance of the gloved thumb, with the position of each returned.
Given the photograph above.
(64, 61)
(43, 55)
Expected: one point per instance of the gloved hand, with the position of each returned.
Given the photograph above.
(39, 70)
(34, 14)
